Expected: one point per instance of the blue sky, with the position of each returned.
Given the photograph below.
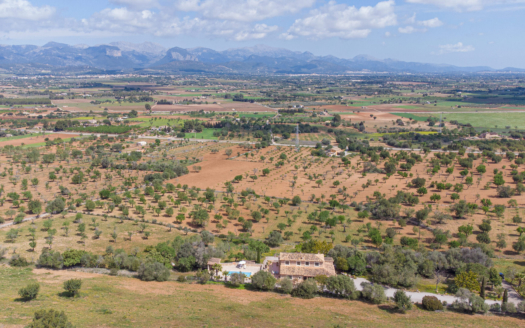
(459, 32)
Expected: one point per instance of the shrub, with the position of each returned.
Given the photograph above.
(296, 201)
(478, 304)
(50, 319)
(181, 278)
(306, 289)
(263, 280)
(508, 307)
(18, 261)
(203, 277)
(495, 307)
(30, 292)
(431, 303)
(72, 286)
(153, 271)
(342, 286)
(287, 285)
(373, 293)
(50, 259)
(113, 272)
(72, 257)
(409, 242)
(275, 239)
(402, 300)
(483, 238)
(237, 279)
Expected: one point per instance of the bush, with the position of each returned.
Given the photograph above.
(203, 277)
(495, 307)
(72, 286)
(342, 286)
(508, 307)
(409, 242)
(275, 239)
(113, 272)
(72, 257)
(50, 319)
(373, 293)
(18, 261)
(306, 289)
(237, 279)
(402, 300)
(263, 280)
(431, 303)
(181, 278)
(50, 259)
(153, 271)
(478, 304)
(287, 285)
(30, 292)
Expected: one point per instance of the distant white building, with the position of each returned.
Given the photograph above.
(142, 143)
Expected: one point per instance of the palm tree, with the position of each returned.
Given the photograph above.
(225, 274)
(217, 268)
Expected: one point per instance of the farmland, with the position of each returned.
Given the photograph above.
(135, 203)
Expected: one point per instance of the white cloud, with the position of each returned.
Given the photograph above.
(465, 5)
(409, 30)
(346, 22)
(388, 34)
(431, 23)
(243, 10)
(458, 47)
(258, 32)
(123, 19)
(434, 22)
(127, 21)
(24, 10)
(137, 4)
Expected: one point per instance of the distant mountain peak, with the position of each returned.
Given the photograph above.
(147, 47)
(257, 59)
(53, 44)
(365, 58)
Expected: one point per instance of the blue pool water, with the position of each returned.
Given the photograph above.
(247, 274)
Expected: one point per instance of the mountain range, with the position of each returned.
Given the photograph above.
(153, 58)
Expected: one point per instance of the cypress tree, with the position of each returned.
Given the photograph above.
(482, 290)
(505, 296)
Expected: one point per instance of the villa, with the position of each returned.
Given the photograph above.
(295, 266)
(301, 266)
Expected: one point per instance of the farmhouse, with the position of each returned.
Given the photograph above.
(142, 143)
(301, 266)
(489, 135)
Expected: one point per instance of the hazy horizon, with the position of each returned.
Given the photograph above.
(461, 33)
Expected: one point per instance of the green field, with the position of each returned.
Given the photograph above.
(146, 122)
(205, 134)
(258, 115)
(412, 116)
(488, 120)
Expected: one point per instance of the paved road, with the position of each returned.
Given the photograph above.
(417, 297)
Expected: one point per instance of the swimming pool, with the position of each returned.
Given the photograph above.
(247, 274)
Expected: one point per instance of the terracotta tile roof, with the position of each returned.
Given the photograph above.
(308, 271)
(301, 257)
(214, 260)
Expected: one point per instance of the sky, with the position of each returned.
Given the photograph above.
(457, 32)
